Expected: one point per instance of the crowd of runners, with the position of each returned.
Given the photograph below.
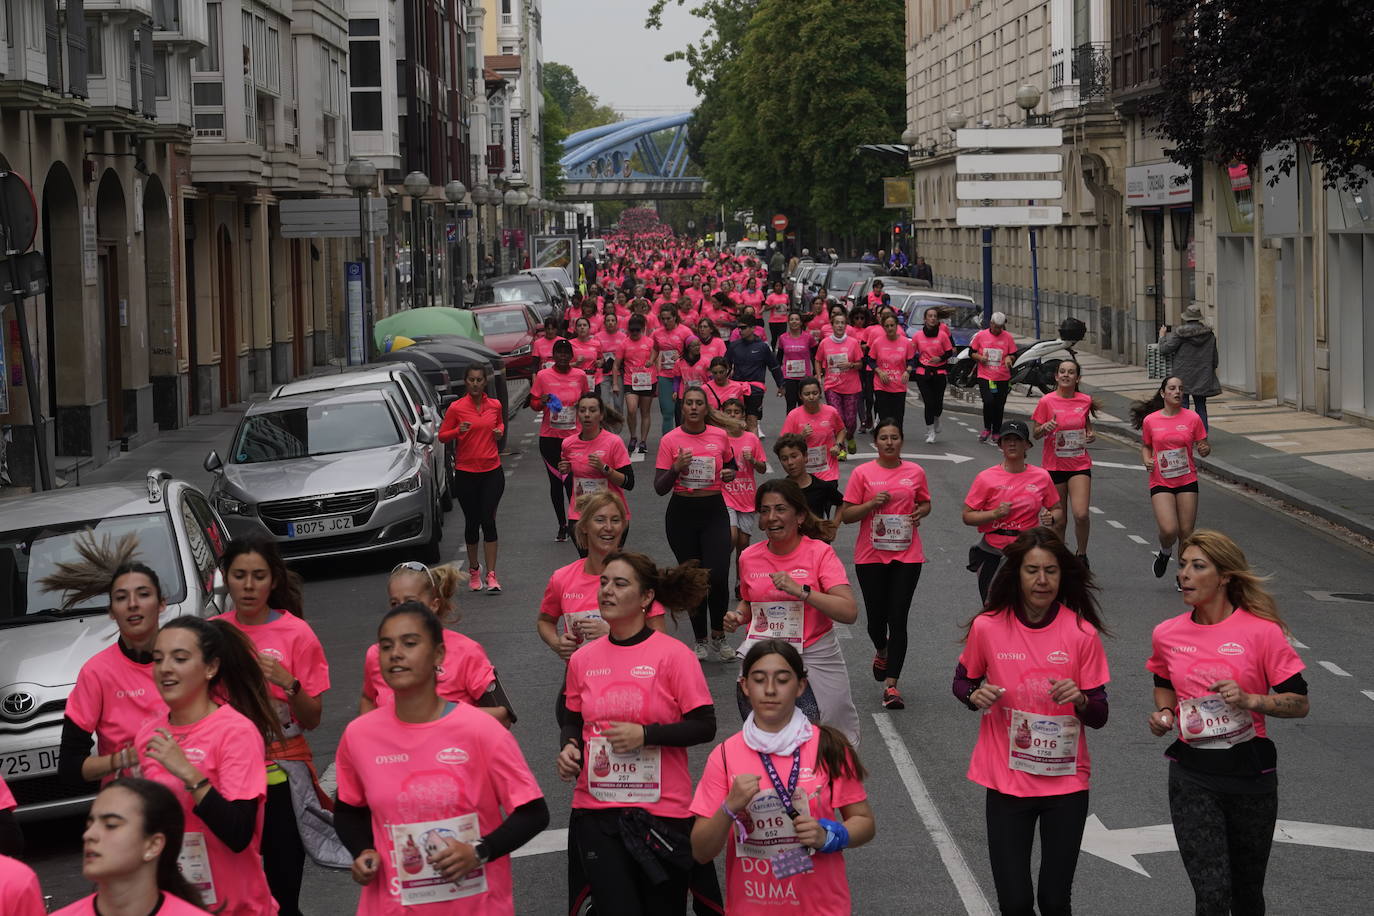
(198, 730)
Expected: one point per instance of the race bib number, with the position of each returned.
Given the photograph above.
(794, 368)
(891, 532)
(573, 618)
(837, 361)
(699, 474)
(1210, 722)
(994, 356)
(770, 829)
(775, 620)
(1043, 745)
(630, 778)
(583, 485)
(693, 383)
(563, 419)
(667, 359)
(1070, 443)
(640, 380)
(411, 847)
(817, 458)
(1172, 462)
(194, 865)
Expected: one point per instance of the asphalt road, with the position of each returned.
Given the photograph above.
(929, 855)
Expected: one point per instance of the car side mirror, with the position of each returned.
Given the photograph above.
(424, 436)
(426, 414)
(213, 464)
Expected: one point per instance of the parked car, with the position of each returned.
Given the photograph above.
(44, 643)
(328, 474)
(558, 277)
(546, 300)
(456, 354)
(510, 330)
(809, 282)
(418, 403)
(428, 365)
(840, 275)
(965, 315)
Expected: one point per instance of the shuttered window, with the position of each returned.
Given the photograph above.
(77, 52)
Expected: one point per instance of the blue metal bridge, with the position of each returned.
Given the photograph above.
(639, 158)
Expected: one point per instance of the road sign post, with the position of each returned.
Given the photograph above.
(779, 222)
(18, 225)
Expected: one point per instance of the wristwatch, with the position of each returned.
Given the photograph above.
(482, 851)
(806, 594)
(294, 689)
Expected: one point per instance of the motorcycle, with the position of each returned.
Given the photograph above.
(1035, 367)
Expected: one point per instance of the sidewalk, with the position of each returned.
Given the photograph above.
(1315, 463)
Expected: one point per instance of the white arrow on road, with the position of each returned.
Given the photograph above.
(947, 456)
(1122, 846)
(1113, 464)
(548, 841)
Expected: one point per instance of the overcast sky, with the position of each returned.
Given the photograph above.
(619, 60)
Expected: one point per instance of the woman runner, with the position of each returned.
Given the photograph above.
(670, 340)
(467, 675)
(891, 352)
(638, 363)
(779, 763)
(739, 493)
(1219, 669)
(1169, 435)
(476, 423)
(838, 357)
(596, 458)
(776, 301)
(861, 328)
(555, 392)
(994, 349)
(823, 429)
(424, 783)
(934, 348)
(1006, 499)
(796, 354)
(1063, 418)
(586, 351)
(888, 497)
(625, 740)
(794, 587)
(543, 345)
(134, 834)
(1033, 663)
(209, 750)
(694, 461)
(611, 340)
(267, 608)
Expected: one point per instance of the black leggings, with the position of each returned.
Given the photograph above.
(994, 403)
(791, 393)
(478, 494)
(698, 528)
(890, 405)
(600, 868)
(866, 396)
(888, 589)
(1224, 840)
(283, 854)
(560, 488)
(932, 388)
(1011, 834)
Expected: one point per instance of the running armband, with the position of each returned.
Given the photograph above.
(836, 835)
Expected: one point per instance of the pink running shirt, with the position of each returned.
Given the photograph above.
(1172, 439)
(930, 349)
(906, 485)
(892, 357)
(997, 348)
(739, 493)
(291, 641)
(670, 345)
(171, 905)
(7, 801)
(20, 894)
(467, 672)
(572, 593)
(112, 699)
(636, 358)
(812, 563)
(1028, 492)
(568, 386)
(795, 355)
(1065, 449)
(607, 446)
(825, 423)
(710, 450)
(832, 351)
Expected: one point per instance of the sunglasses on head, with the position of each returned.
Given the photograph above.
(415, 566)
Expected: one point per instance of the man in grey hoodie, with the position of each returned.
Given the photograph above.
(1194, 349)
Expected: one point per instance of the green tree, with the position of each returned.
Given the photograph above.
(554, 131)
(580, 107)
(1253, 75)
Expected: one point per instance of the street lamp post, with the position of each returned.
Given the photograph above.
(454, 192)
(1027, 98)
(361, 175)
(417, 186)
(479, 200)
(515, 199)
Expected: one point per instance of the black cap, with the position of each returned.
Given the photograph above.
(1016, 428)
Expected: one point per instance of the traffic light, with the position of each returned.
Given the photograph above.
(898, 229)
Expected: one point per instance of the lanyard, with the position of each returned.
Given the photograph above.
(791, 780)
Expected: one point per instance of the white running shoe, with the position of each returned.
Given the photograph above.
(930, 435)
(702, 652)
(722, 649)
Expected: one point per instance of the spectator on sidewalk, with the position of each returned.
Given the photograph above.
(922, 271)
(1194, 349)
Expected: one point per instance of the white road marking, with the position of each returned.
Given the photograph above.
(1095, 511)
(1138, 539)
(1334, 596)
(1368, 693)
(547, 841)
(947, 456)
(1297, 644)
(1112, 464)
(975, 903)
(1114, 523)
(637, 457)
(1335, 669)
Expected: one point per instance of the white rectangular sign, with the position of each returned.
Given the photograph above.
(1010, 216)
(1009, 190)
(1004, 163)
(1155, 185)
(1008, 137)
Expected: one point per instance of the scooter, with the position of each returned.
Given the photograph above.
(1035, 367)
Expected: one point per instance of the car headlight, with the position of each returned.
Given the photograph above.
(228, 505)
(520, 351)
(409, 485)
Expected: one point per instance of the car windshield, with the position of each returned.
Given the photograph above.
(517, 290)
(843, 276)
(320, 429)
(502, 321)
(28, 555)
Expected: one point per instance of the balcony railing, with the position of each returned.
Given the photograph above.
(1092, 69)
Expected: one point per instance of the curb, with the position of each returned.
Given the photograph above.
(1230, 473)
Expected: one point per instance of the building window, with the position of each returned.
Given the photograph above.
(508, 49)
(273, 59)
(167, 15)
(250, 110)
(365, 74)
(95, 49)
(207, 61)
(160, 77)
(209, 124)
(260, 51)
(38, 24)
(209, 95)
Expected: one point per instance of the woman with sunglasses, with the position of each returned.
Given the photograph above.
(433, 794)
(209, 750)
(779, 763)
(467, 676)
(554, 393)
(293, 663)
(134, 833)
(477, 424)
(595, 459)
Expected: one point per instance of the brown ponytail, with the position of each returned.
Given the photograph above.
(680, 589)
